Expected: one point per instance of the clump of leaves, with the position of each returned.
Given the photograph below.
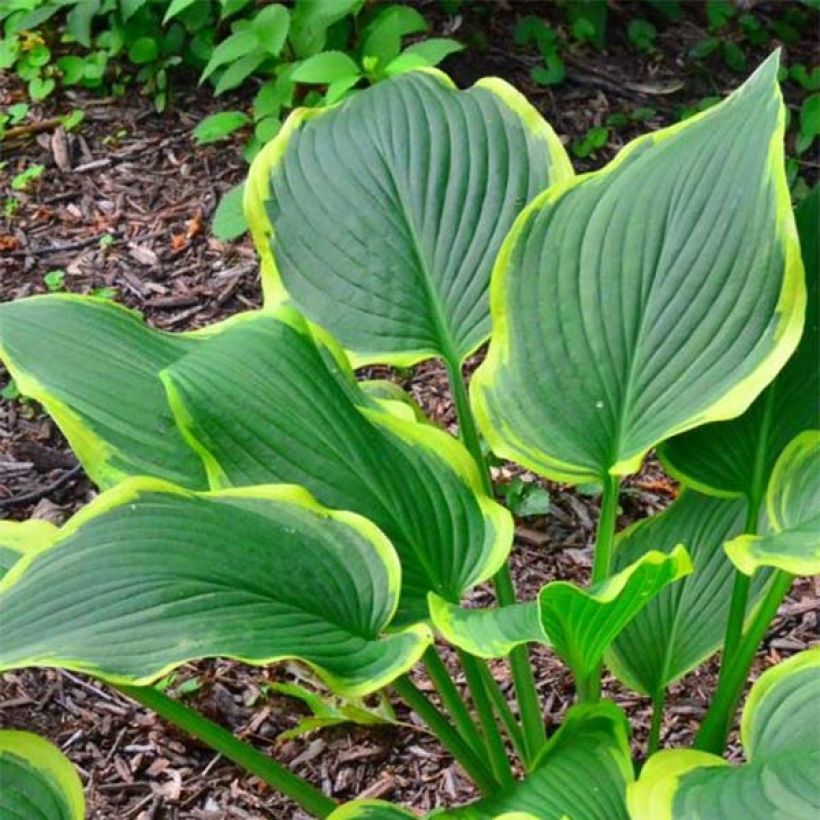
(258, 502)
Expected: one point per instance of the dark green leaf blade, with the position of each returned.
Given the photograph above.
(263, 403)
(655, 295)
(149, 576)
(393, 254)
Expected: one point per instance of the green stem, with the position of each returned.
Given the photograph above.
(525, 690)
(296, 788)
(495, 743)
(602, 565)
(589, 689)
(449, 737)
(715, 728)
(740, 593)
(657, 719)
(451, 699)
(504, 712)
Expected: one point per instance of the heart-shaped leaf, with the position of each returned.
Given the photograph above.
(793, 506)
(737, 456)
(684, 623)
(37, 780)
(381, 217)
(779, 731)
(150, 575)
(263, 403)
(650, 297)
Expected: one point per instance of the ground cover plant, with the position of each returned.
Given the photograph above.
(201, 545)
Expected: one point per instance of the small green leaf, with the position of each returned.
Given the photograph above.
(435, 49)
(176, 7)
(22, 180)
(10, 391)
(325, 68)
(810, 117)
(718, 13)
(552, 72)
(271, 27)
(39, 56)
(642, 34)
(233, 48)
(705, 48)
(236, 73)
(39, 88)
(17, 113)
(54, 280)
(144, 50)
(734, 56)
(218, 126)
(79, 19)
(73, 119)
(229, 221)
(266, 129)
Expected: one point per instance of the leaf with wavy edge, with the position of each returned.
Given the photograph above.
(737, 457)
(659, 293)
(94, 368)
(793, 507)
(150, 575)
(37, 780)
(381, 217)
(685, 622)
(578, 623)
(260, 404)
(779, 732)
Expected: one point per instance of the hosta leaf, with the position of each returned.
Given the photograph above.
(582, 772)
(370, 810)
(150, 575)
(779, 732)
(38, 782)
(793, 506)
(580, 624)
(94, 368)
(381, 217)
(684, 624)
(263, 403)
(487, 633)
(737, 457)
(19, 537)
(650, 297)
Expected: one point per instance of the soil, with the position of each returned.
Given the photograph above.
(125, 203)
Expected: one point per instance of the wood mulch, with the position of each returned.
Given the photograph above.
(125, 204)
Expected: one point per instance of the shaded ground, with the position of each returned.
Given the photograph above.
(137, 178)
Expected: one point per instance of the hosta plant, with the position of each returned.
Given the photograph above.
(258, 502)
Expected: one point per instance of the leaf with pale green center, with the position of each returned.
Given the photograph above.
(793, 507)
(149, 576)
(650, 297)
(262, 404)
(579, 624)
(38, 782)
(95, 369)
(737, 456)
(582, 772)
(779, 731)
(685, 622)
(19, 537)
(381, 218)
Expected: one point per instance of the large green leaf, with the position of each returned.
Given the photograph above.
(582, 772)
(737, 456)
(580, 624)
(650, 297)
(779, 730)
(36, 781)
(19, 537)
(150, 575)
(263, 404)
(793, 506)
(684, 624)
(381, 217)
(94, 368)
